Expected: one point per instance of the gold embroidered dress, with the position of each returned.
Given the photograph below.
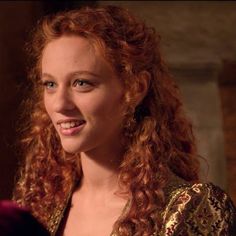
(200, 209)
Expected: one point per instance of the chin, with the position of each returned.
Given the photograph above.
(71, 148)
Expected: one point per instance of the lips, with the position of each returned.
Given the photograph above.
(70, 127)
(71, 124)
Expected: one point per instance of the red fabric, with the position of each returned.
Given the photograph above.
(16, 221)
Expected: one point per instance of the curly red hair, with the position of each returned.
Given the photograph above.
(159, 137)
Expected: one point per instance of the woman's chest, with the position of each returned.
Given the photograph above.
(90, 220)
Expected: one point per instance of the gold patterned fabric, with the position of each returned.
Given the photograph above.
(201, 209)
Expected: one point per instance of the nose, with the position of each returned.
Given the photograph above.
(63, 101)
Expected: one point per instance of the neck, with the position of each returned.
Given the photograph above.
(100, 169)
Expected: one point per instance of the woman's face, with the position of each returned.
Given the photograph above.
(82, 95)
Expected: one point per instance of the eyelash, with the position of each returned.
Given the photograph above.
(49, 85)
(46, 84)
(79, 81)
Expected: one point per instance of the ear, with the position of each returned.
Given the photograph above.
(142, 86)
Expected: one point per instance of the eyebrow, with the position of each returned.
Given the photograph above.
(72, 74)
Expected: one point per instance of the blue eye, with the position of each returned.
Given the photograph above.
(82, 85)
(49, 84)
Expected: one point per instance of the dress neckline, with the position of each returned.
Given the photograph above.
(58, 221)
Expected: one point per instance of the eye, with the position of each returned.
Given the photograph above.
(83, 85)
(49, 84)
(80, 83)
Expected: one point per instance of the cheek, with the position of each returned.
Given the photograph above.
(105, 108)
(48, 106)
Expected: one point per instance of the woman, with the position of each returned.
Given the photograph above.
(108, 148)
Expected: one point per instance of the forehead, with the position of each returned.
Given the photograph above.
(69, 44)
(73, 49)
(73, 53)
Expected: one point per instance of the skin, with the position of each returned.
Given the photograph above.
(79, 84)
(98, 102)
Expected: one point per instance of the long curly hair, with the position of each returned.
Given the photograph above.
(158, 137)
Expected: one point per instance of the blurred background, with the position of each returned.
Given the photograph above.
(199, 45)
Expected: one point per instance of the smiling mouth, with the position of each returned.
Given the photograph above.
(70, 127)
(71, 124)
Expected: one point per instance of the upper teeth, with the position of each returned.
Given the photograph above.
(71, 124)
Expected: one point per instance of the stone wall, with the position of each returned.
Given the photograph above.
(192, 31)
(228, 100)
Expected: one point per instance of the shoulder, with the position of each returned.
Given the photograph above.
(198, 209)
